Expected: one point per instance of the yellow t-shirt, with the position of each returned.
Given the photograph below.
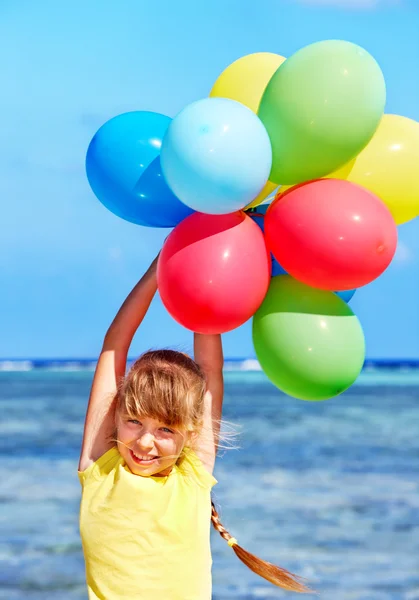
(146, 538)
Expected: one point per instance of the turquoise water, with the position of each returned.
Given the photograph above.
(329, 490)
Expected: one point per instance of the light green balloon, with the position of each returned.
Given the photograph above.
(321, 108)
(308, 341)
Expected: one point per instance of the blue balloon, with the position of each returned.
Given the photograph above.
(124, 171)
(258, 215)
(346, 295)
(216, 156)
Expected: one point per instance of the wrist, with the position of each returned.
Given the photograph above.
(152, 269)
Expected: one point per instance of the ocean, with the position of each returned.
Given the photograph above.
(328, 490)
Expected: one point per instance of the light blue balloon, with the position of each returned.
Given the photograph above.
(216, 156)
(124, 171)
(346, 295)
(258, 215)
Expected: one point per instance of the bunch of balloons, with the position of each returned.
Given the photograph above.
(284, 188)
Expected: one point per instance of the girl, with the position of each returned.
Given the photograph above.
(147, 457)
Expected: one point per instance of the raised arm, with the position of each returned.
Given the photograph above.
(208, 353)
(99, 423)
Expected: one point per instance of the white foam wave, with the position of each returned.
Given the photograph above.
(16, 365)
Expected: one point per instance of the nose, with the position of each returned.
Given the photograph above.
(146, 441)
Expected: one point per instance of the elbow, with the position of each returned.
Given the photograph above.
(115, 340)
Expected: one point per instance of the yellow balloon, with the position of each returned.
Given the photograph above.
(268, 189)
(341, 173)
(388, 166)
(245, 80)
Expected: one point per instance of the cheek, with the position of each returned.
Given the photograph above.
(179, 444)
(171, 447)
(123, 434)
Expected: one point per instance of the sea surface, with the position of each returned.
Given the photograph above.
(328, 490)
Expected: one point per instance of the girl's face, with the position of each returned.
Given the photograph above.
(148, 446)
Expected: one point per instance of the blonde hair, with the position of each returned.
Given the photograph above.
(170, 387)
(167, 386)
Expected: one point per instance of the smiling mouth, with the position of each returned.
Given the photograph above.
(143, 460)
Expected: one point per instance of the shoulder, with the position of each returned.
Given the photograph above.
(101, 467)
(191, 465)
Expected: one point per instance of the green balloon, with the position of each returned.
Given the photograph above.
(321, 108)
(308, 341)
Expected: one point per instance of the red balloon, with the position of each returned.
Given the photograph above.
(214, 271)
(331, 234)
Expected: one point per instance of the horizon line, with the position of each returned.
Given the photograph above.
(227, 358)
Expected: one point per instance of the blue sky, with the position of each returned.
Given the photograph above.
(66, 263)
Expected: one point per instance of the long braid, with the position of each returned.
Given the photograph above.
(218, 525)
(276, 575)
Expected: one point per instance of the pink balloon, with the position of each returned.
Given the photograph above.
(214, 271)
(331, 234)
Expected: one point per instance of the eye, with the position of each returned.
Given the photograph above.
(134, 421)
(166, 430)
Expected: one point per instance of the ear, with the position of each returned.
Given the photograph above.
(191, 438)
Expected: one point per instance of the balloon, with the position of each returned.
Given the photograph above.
(213, 272)
(308, 341)
(388, 166)
(216, 156)
(341, 173)
(245, 79)
(123, 169)
(321, 108)
(258, 216)
(331, 234)
(346, 295)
